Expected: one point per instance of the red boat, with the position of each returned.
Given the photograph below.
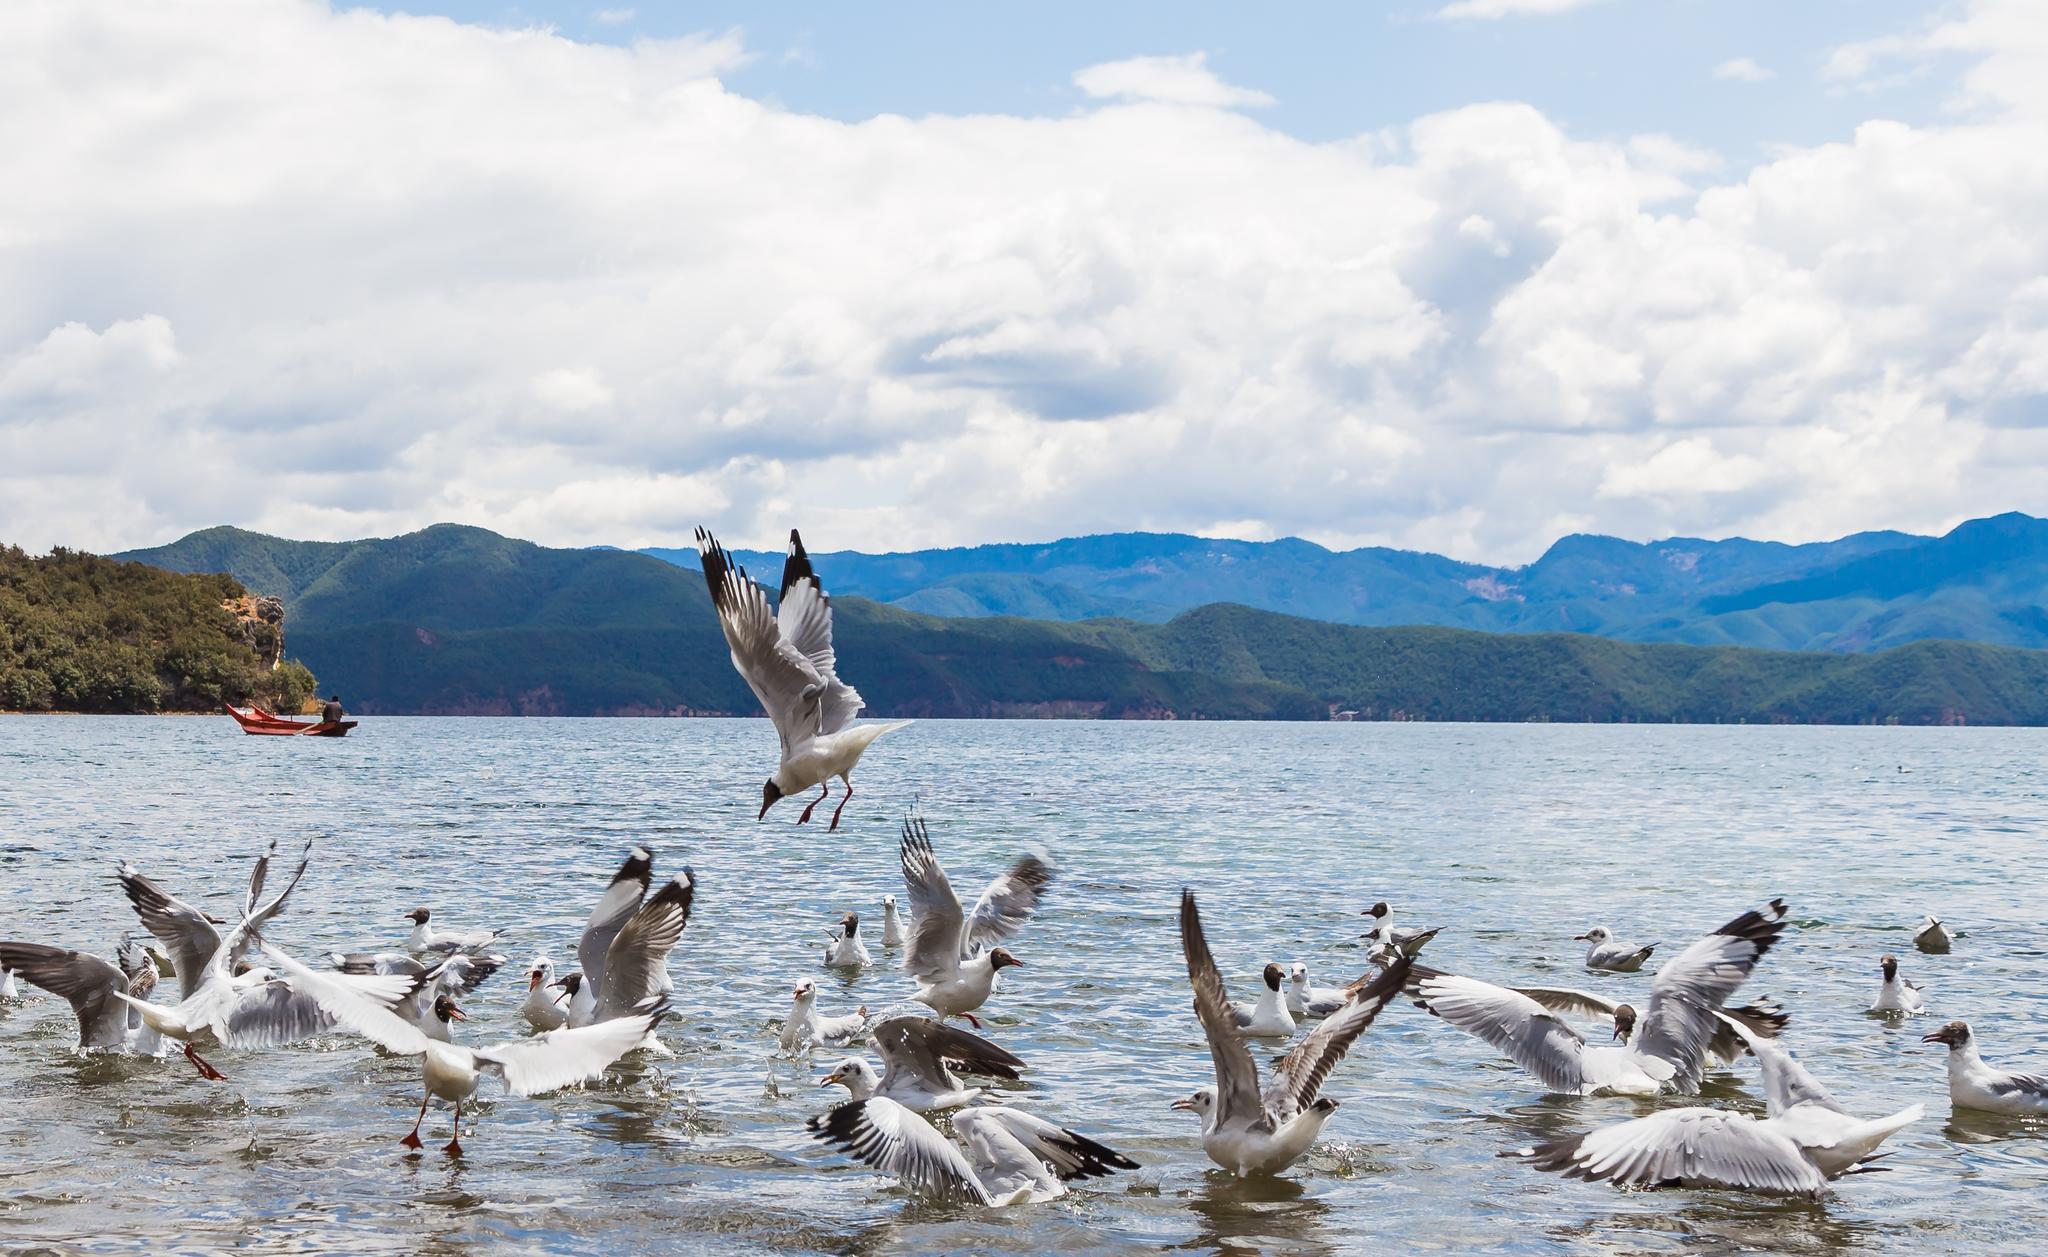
(269, 724)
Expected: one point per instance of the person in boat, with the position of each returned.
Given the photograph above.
(331, 712)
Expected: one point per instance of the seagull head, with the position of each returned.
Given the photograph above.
(770, 794)
(1201, 1102)
(537, 977)
(446, 1010)
(805, 989)
(1273, 975)
(1001, 959)
(418, 916)
(1890, 965)
(849, 925)
(1598, 934)
(1955, 1034)
(1624, 1022)
(1378, 912)
(855, 1075)
(1298, 975)
(888, 903)
(572, 983)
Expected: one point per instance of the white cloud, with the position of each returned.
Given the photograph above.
(1743, 70)
(1491, 9)
(339, 274)
(615, 17)
(1183, 80)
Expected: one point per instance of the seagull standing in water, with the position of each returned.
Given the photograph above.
(1248, 1130)
(892, 924)
(807, 1027)
(1607, 956)
(1973, 1084)
(1307, 1000)
(1270, 1018)
(1805, 1141)
(787, 659)
(1897, 996)
(426, 940)
(946, 956)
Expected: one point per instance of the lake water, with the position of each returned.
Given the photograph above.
(1515, 838)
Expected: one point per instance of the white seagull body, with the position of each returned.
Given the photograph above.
(1805, 1141)
(1933, 937)
(546, 1006)
(846, 950)
(1973, 1084)
(807, 1028)
(1270, 1017)
(1245, 1129)
(545, 1062)
(1897, 996)
(1013, 1158)
(425, 940)
(892, 924)
(918, 1059)
(786, 657)
(1305, 999)
(625, 945)
(953, 955)
(1670, 1045)
(1605, 955)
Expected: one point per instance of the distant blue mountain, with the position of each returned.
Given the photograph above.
(1986, 581)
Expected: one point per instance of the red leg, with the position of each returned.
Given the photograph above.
(454, 1145)
(972, 1018)
(844, 795)
(823, 790)
(413, 1140)
(206, 1071)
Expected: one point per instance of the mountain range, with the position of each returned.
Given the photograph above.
(455, 620)
(1985, 581)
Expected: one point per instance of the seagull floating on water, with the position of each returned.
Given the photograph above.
(786, 657)
(1307, 1000)
(1383, 933)
(919, 1056)
(1973, 1084)
(1017, 1159)
(1897, 996)
(546, 1006)
(846, 950)
(545, 1062)
(1805, 1141)
(426, 940)
(953, 956)
(1245, 1129)
(1608, 956)
(1669, 1046)
(1269, 1018)
(807, 1027)
(1933, 937)
(892, 925)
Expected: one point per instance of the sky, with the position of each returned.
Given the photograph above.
(1456, 275)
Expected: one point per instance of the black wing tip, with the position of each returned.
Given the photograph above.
(838, 1125)
(638, 866)
(1097, 1160)
(1556, 1155)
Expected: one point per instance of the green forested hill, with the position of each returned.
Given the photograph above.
(83, 633)
(460, 620)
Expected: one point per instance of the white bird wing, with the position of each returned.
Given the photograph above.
(1561, 999)
(933, 954)
(274, 1013)
(1679, 1023)
(805, 622)
(1237, 1075)
(618, 903)
(1069, 1154)
(86, 982)
(638, 957)
(1694, 1146)
(186, 934)
(1007, 904)
(882, 1133)
(562, 1058)
(1296, 1079)
(789, 686)
(350, 1007)
(1529, 1034)
(1786, 1082)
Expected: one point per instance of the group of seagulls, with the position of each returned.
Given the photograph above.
(932, 1109)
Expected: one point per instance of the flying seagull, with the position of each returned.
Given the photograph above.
(786, 658)
(1016, 1158)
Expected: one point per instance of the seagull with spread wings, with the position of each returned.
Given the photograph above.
(786, 658)
(1016, 1158)
(954, 955)
(1246, 1129)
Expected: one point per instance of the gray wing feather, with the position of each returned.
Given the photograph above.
(1007, 904)
(928, 1050)
(1297, 1078)
(882, 1133)
(84, 981)
(618, 903)
(1679, 1022)
(638, 957)
(1529, 1034)
(937, 932)
(1237, 1074)
(1693, 1146)
(782, 677)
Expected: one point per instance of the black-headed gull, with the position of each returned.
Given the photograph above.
(807, 1027)
(1605, 955)
(1805, 1140)
(546, 1006)
(1897, 997)
(787, 659)
(919, 1056)
(189, 936)
(953, 955)
(91, 985)
(1671, 1041)
(1383, 933)
(426, 940)
(1013, 1158)
(544, 1062)
(1766, 1019)
(1269, 1017)
(455, 974)
(1248, 1130)
(1973, 1084)
(846, 950)
(1933, 937)
(626, 943)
